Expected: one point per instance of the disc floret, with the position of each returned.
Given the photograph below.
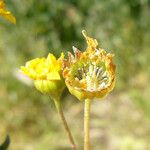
(89, 74)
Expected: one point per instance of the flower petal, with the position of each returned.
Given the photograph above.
(6, 14)
(53, 76)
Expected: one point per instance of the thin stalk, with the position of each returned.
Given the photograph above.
(87, 124)
(61, 114)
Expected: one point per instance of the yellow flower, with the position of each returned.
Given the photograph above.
(6, 14)
(46, 73)
(89, 74)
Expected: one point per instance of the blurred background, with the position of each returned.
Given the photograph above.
(122, 120)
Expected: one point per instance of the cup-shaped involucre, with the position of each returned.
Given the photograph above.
(5, 13)
(46, 73)
(89, 74)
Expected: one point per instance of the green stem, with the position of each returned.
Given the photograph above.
(61, 114)
(87, 124)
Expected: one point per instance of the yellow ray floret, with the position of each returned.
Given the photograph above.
(46, 73)
(5, 13)
(43, 68)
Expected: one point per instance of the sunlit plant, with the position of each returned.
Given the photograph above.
(5, 13)
(89, 75)
(47, 76)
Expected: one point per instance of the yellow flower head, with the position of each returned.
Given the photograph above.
(46, 73)
(6, 14)
(89, 74)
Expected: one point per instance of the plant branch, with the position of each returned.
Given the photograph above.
(61, 114)
(87, 124)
